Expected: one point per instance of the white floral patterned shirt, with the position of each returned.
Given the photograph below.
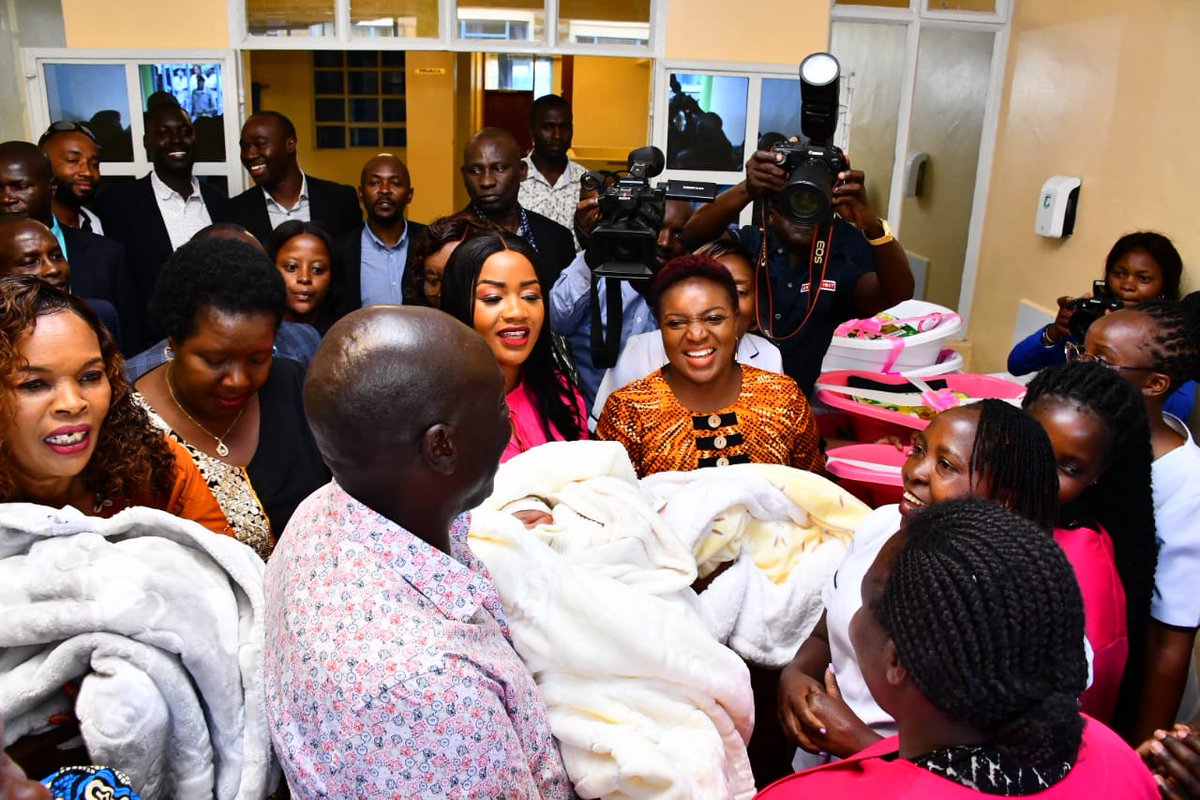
(389, 671)
(556, 202)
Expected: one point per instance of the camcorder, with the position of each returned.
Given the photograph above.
(1089, 309)
(624, 242)
(623, 245)
(807, 197)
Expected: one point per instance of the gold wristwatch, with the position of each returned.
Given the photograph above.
(886, 237)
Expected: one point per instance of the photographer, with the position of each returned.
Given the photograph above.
(1141, 266)
(571, 298)
(865, 272)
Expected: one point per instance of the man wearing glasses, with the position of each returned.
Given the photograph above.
(75, 160)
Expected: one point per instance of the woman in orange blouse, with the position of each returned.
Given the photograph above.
(70, 433)
(704, 409)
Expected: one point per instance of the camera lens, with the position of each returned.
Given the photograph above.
(801, 204)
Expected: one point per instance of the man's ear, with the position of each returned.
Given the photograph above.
(290, 145)
(439, 450)
(1156, 385)
(523, 170)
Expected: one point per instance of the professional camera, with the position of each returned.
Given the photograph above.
(807, 197)
(1089, 309)
(623, 244)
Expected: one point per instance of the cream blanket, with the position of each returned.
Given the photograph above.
(643, 699)
(161, 620)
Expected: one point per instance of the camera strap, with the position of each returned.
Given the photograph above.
(818, 257)
(606, 339)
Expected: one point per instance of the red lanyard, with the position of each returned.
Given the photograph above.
(819, 253)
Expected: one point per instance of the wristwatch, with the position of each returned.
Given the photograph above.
(886, 237)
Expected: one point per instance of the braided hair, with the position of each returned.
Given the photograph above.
(1175, 345)
(1014, 454)
(1120, 499)
(987, 618)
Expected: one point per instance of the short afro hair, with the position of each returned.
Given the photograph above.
(218, 274)
(685, 267)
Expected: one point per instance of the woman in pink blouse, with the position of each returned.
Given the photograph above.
(493, 283)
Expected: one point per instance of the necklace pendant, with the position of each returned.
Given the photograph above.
(222, 450)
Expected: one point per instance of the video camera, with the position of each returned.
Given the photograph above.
(623, 245)
(624, 242)
(1089, 309)
(807, 197)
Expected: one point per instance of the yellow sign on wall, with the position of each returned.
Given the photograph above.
(430, 70)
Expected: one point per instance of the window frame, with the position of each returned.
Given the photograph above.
(447, 38)
(35, 59)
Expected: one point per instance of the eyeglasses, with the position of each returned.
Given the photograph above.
(1076, 353)
(66, 126)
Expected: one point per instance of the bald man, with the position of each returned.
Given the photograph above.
(375, 264)
(389, 671)
(492, 172)
(100, 269)
(27, 247)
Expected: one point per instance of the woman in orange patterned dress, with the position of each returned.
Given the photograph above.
(703, 409)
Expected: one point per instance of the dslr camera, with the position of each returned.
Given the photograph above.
(807, 197)
(1089, 309)
(623, 244)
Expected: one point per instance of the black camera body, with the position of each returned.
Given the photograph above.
(813, 167)
(624, 243)
(807, 197)
(1089, 309)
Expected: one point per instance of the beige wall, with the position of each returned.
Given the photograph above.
(778, 32)
(611, 105)
(23, 23)
(1104, 91)
(195, 24)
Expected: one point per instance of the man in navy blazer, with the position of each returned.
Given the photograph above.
(282, 191)
(375, 261)
(155, 214)
(98, 265)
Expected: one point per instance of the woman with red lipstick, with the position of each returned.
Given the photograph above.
(493, 283)
(989, 450)
(303, 254)
(223, 395)
(70, 432)
(703, 409)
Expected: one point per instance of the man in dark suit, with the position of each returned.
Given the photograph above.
(282, 191)
(375, 262)
(492, 172)
(154, 215)
(98, 265)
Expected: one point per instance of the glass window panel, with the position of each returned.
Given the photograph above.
(362, 83)
(393, 82)
(395, 137)
(391, 58)
(394, 18)
(706, 127)
(362, 58)
(364, 110)
(327, 58)
(290, 17)
(364, 137)
(200, 91)
(983, 6)
(96, 94)
(876, 3)
(779, 110)
(953, 74)
(508, 71)
(872, 59)
(504, 20)
(394, 111)
(325, 82)
(607, 22)
(331, 136)
(331, 110)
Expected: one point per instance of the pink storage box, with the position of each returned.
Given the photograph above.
(870, 472)
(870, 423)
